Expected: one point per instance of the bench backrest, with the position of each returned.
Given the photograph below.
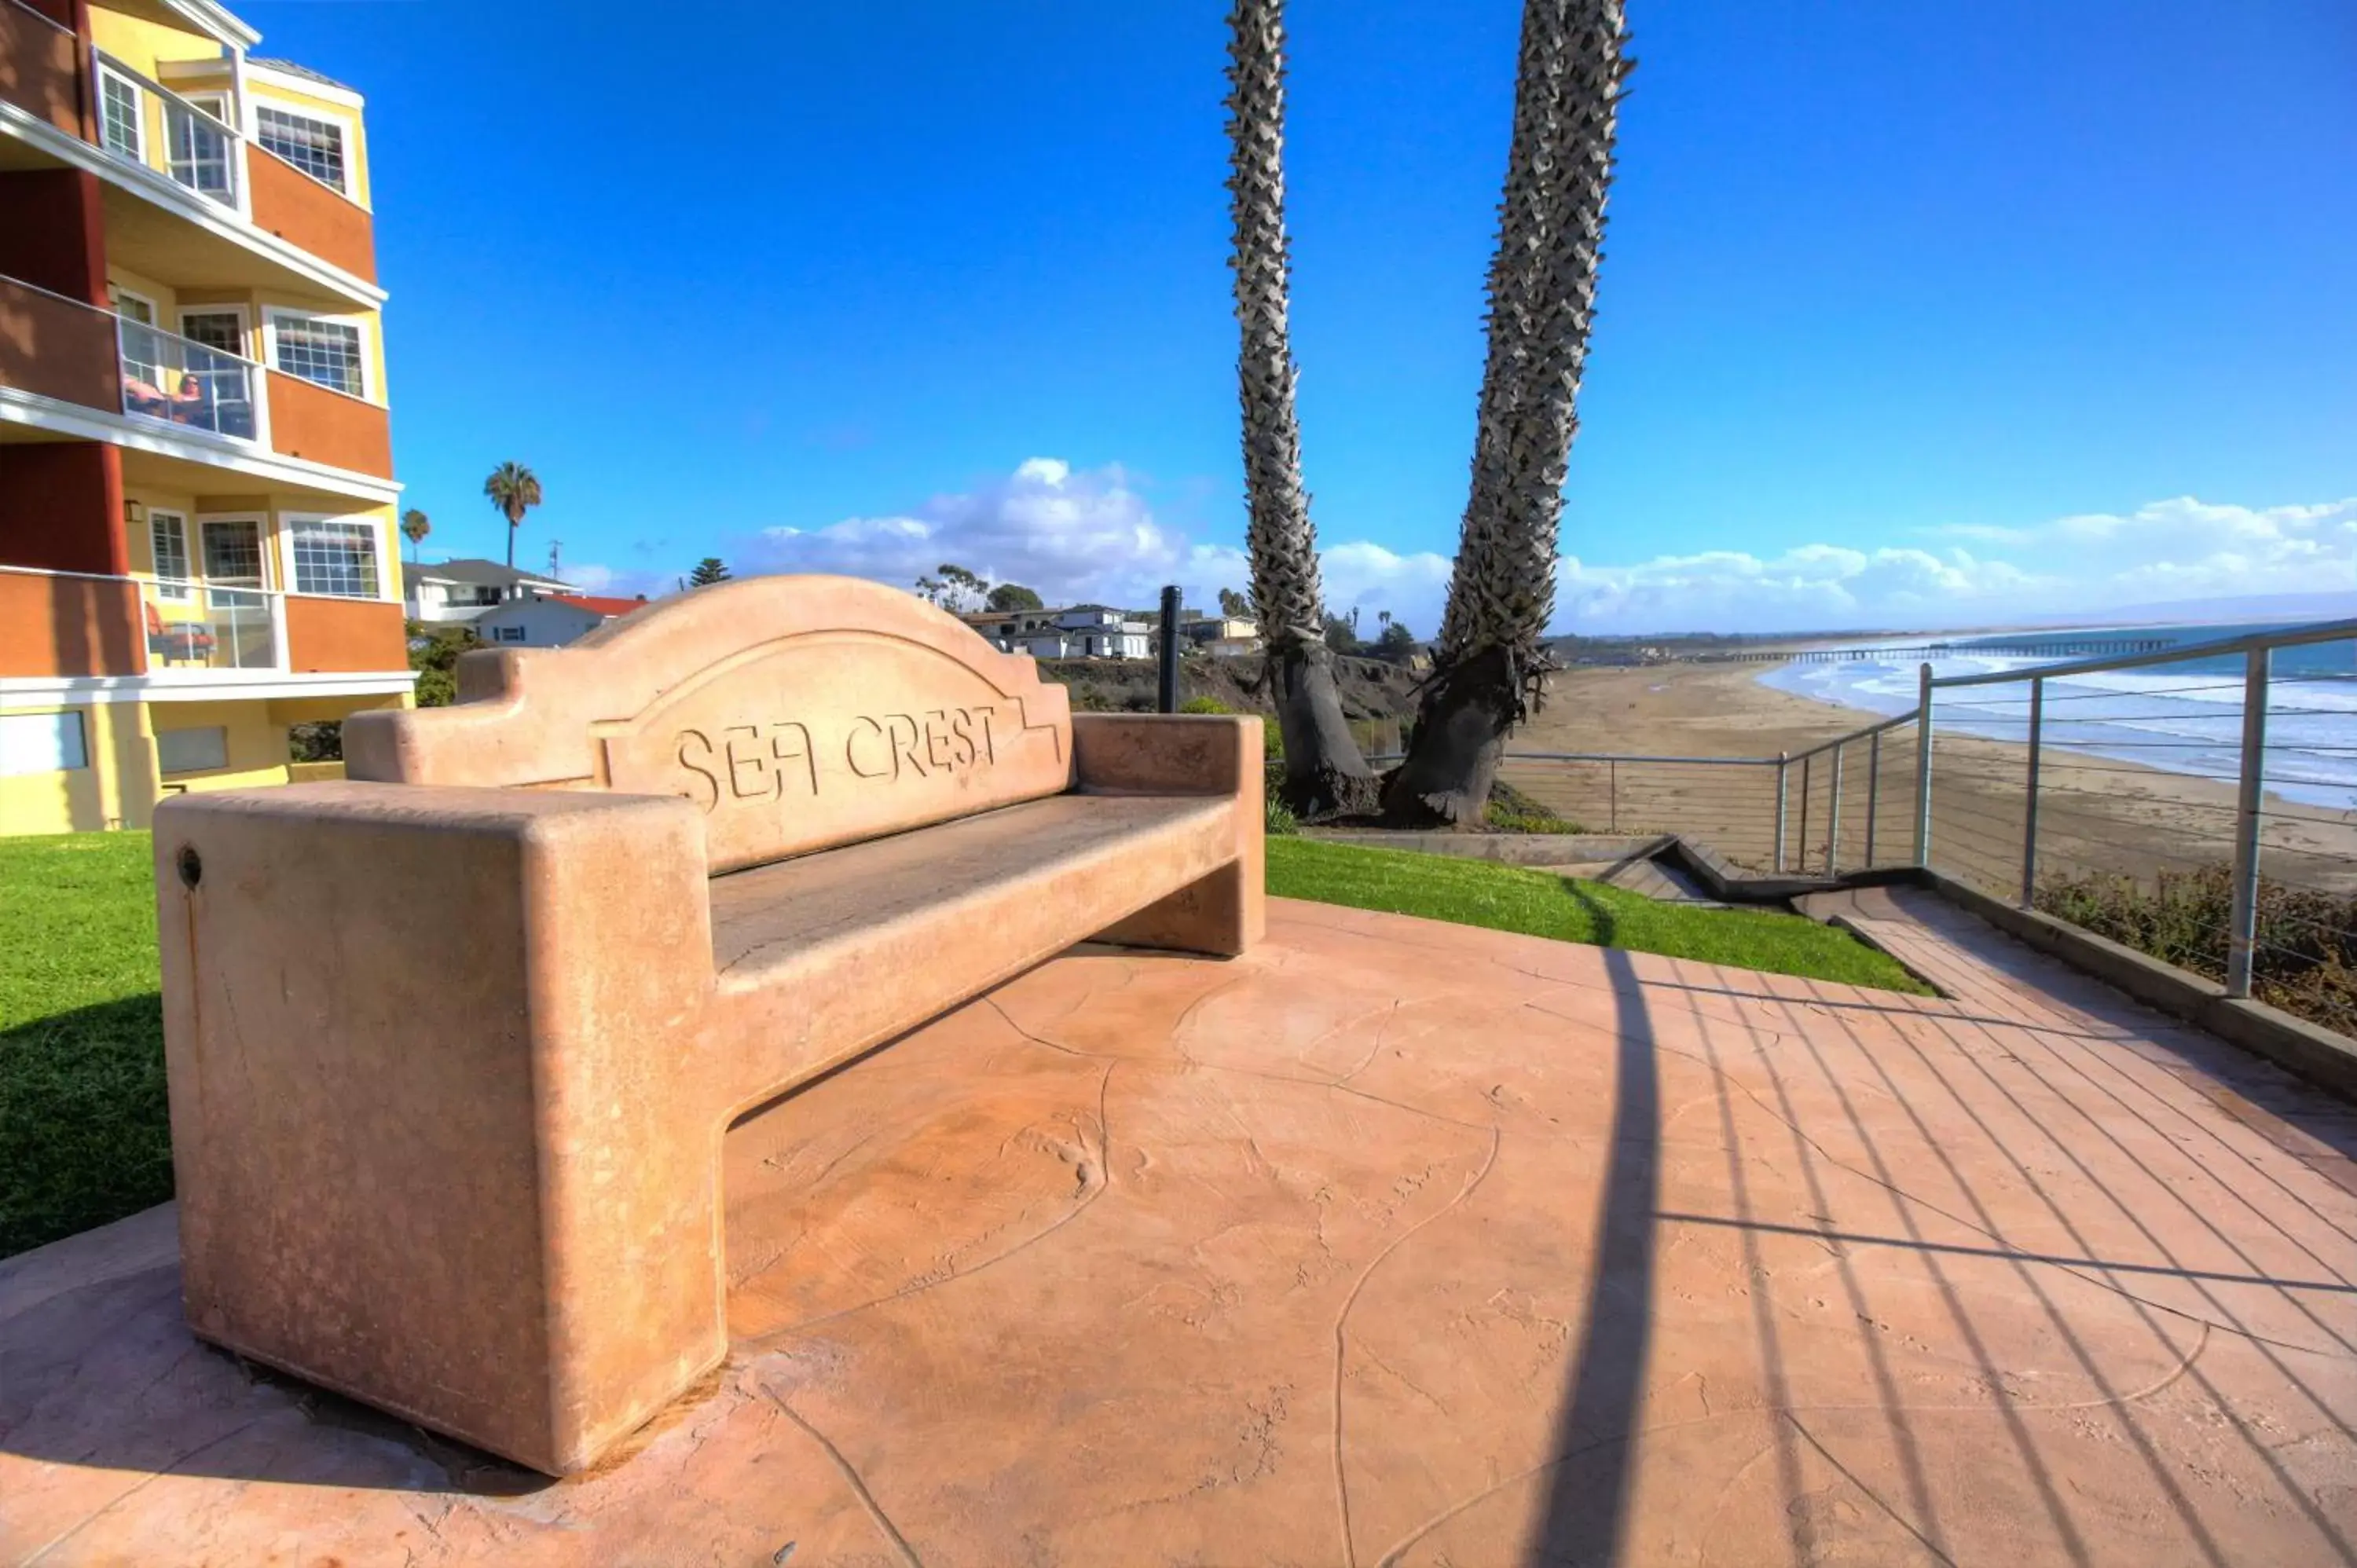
(800, 713)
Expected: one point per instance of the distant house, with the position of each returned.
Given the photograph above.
(549, 620)
(1222, 637)
(1085, 631)
(448, 591)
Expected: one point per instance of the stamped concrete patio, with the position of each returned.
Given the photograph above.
(1393, 1242)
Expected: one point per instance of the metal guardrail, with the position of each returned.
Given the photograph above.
(1830, 807)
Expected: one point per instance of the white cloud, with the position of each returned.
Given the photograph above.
(1071, 534)
(1083, 534)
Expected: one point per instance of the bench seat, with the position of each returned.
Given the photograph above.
(956, 878)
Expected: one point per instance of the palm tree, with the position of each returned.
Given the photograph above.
(415, 528)
(1488, 668)
(1324, 773)
(514, 490)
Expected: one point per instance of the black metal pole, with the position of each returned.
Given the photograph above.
(1170, 650)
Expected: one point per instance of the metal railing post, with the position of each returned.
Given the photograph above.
(1923, 766)
(1166, 698)
(1873, 789)
(1613, 794)
(1833, 815)
(1783, 764)
(2242, 934)
(2030, 811)
(1808, 761)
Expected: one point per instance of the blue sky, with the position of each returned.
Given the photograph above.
(1911, 314)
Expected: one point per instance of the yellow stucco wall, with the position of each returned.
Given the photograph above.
(144, 45)
(120, 785)
(114, 791)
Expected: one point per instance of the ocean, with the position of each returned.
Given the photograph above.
(2185, 717)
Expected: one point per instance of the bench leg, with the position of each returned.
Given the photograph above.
(441, 1138)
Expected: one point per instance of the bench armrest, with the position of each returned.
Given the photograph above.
(1167, 753)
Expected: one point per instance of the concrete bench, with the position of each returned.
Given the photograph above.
(452, 1046)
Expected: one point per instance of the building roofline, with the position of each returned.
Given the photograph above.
(208, 16)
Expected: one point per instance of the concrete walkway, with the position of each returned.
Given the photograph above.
(1395, 1242)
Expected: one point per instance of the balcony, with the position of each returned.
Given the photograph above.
(142, 122)
(43, 65)
(178, 633)
(171, 386)
(186, 189)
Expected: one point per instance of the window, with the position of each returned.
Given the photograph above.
(118, 113)
(507, 634)
(196, 143)
(41, 743)
(336, 558)
(233, 552)
(131, 306)
(314, 146)
(222, 329)
(322, 351)
(167, 533)
(192, 750)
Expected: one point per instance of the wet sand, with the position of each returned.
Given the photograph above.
(2095, 813)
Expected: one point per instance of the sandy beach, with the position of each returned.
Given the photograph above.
(2095, 813)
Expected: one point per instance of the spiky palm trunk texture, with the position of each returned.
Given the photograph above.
(1324, 773)
(1487, 665)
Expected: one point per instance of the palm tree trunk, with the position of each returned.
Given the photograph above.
(1488, 665)
(1324, 773)
(513, 522)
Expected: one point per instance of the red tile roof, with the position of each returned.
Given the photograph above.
(596, 606)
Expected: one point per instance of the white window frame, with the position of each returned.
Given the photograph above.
(220, 767)
(138, 154)
(260, 526)
(116, 293)
(360, 324)
(244, 323)
(178, 590)
(73, 741)
(288, 521)
(346, 126)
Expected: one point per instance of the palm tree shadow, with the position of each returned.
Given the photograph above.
(1587, 1514)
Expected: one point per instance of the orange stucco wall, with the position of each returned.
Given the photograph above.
(302, 211)
(69, 625)
(329, 427)
(343, 636)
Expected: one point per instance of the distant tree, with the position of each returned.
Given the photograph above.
(932, 590)
(1235, 606)
(961, 589)
(1395, 642)
(708, 571)
(415, 528)
(434, 653)
(514, 490)
(1342, 635)
(1008, 597)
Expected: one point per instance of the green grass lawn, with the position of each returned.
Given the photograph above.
(84, 1130)
(83, 1137)
(1540, 904)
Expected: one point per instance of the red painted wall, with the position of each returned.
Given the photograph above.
(52, 232)
(61, 507)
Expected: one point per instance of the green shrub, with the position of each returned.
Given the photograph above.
(1277, 818)
(1204, 705)
(2304, 959)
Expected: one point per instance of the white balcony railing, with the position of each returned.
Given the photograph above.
(185, 382)
(142, 122)
(195, 625)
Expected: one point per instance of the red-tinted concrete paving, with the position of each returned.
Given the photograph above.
(1391, 1244)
